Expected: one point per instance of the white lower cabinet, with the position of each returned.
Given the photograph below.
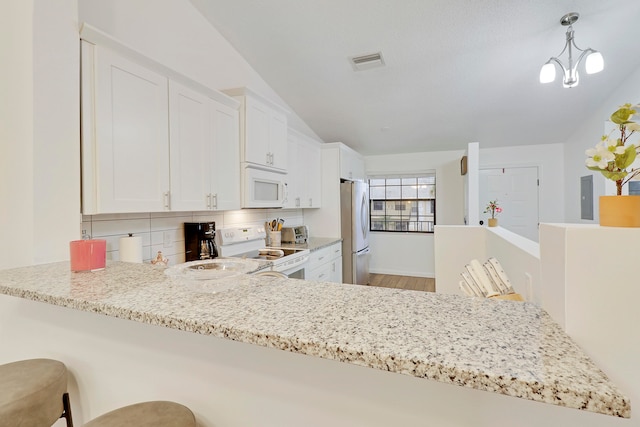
(325, 264)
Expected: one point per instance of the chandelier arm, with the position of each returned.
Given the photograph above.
(582, 55)
(560, 64)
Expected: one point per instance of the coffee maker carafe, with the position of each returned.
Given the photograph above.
(199, 240)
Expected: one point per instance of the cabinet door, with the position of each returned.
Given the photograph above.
(336, 271)
(278, 140)
(191, 140)
(293, 173)
(311, 157)
(351, 165)
(256, 138)
(226, 158)
(131, 138)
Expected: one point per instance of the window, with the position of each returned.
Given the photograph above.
(406, 203)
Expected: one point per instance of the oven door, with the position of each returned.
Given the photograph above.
(296, 272)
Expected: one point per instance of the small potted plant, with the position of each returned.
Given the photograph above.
(613, 157)
(493, 209)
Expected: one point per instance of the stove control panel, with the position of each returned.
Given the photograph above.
(232, 235)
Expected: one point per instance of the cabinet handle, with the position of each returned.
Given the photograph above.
(321, 258)
(333, 267)
(268, 159)
(208, 198)
(215, 201)
(297, 202)
(310, 202)
(322, 275)
(167, 200)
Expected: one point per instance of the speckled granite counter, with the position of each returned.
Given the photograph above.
(314, 243)
(503, 347)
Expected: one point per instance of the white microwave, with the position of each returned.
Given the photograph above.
(262, 188)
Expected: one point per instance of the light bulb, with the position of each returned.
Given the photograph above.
(547, 73)
(595, 63)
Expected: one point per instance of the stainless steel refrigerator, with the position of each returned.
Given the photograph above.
(354, 215)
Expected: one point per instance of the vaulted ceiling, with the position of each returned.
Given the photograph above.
(455, 71)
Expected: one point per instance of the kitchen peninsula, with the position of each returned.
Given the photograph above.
(212, 343)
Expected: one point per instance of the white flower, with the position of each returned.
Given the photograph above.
(633, 126)
(612, 146)
(599, 156)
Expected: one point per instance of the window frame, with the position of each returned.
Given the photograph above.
(407, 214)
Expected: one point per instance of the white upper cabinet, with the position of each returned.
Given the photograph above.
(304, 173)
(294, 172)
(310, 156)
(125, 144)
(153, 140)
(205, 152)
(225, 189)
(263, 130)
(351, 164)
(191, 142)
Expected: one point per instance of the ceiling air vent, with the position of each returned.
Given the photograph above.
(365, 62)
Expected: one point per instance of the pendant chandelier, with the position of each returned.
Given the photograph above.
(570, 77)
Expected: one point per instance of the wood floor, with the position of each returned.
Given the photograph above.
(426, 284)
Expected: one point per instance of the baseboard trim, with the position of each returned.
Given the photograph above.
(428, 275)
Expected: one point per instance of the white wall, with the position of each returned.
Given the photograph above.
(387, 257)
(39, 158)
(56, 136)
(412, 254)
(16, 135)
(587, 136)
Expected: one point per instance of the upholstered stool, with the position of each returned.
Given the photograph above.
(147, 414)
(33, 393)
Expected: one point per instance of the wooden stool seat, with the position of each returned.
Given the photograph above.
(31, 392)
(147, 414)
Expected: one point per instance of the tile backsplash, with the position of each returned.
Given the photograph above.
(164, 231)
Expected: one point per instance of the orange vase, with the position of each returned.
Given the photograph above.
(620, 211)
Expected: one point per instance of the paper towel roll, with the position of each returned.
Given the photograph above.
(131, 249)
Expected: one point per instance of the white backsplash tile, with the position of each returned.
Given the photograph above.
(154, 227)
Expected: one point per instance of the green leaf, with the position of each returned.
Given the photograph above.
(623, 114)
(614, 176)
(627, 158)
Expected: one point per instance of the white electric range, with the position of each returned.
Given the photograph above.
(249, 243)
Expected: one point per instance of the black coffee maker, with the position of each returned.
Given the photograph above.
(199, 240)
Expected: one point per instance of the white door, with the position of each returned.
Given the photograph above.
(256, 136)
(278, 140)
(132, 142)
(226, 158)
(516, 190)
(190, 140)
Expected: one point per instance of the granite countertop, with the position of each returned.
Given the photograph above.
(313, 243)
(506, 347)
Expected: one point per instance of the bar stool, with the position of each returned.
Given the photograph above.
(33, 393)
(147, 414)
